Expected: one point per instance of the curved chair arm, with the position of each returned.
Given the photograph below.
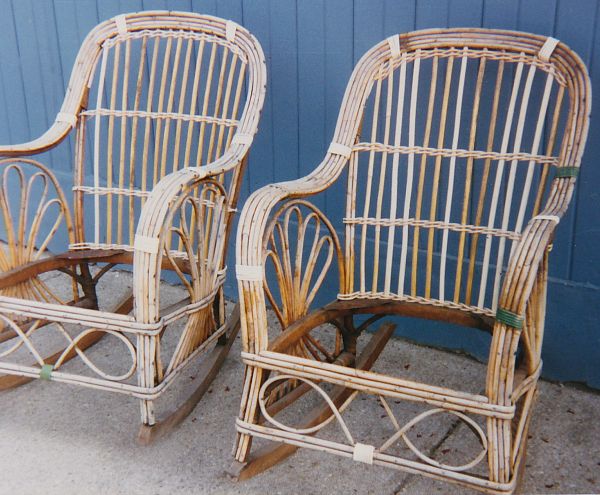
(527, 267)
(255, 214)
(253, 223)
(156, 217)
(529, 252)
(51, 138)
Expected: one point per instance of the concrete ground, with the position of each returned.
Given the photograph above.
(57, 438)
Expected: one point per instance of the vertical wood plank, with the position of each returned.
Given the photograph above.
(399, 17)
(284, 89)
(338, 64)
(431, 14)
(311, 86)
(574, 26)
(260, 165)
(12, 79)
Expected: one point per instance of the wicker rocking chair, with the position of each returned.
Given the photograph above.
(459, 150)
(164, 106)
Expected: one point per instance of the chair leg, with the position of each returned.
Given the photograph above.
(253, 379)
(146, 358)
(147, 412)
(149, 433)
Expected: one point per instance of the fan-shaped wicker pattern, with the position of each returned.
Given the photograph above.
(459, 149)
(164, 106)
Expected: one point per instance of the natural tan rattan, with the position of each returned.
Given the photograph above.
(164, 107)
(447, 140)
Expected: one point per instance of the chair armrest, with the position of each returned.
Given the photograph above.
(254, 221)
(155, 220)
(528, 254)
(255, 214)
(51, 138)
(526, 268)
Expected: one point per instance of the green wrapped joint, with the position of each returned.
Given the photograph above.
(567, 172)
(509, 318)
(46, 371)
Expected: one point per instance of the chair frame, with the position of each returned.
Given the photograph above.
(23, 310)
(510, 389)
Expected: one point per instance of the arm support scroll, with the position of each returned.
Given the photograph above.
(184, 217)
(264, 234)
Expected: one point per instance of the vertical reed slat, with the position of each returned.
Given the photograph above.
(484, 179)
(123, 140)
(236, 103)
(159, 108)
(549, 149)
(410, 169)
(134, 129)
(468, 178)
(395, 164)
(149, 124)
(422, 174)
(436, 174)
(207, 91)
(534, 151)
(218, 103)
(511, 181)
(363, 237)
(451, 172)
(111, 127)
(498, 181)
(382, 176)
(193, 101)
(170, 102)
(180, 108)
(97, 124)
(226, 102)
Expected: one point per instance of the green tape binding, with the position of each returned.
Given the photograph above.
(566, 172)
(46, 371)
(509, 318)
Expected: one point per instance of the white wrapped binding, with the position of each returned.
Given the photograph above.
(121, 23)
(363, 453)
(552, 218)
(547, 49)
(251, 273)
(340, 149)
(230, 29)
(146, 244)
(239, 138)
(394, 43)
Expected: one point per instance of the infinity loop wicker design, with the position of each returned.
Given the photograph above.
(336, 413)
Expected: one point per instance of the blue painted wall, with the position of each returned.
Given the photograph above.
(311, 48)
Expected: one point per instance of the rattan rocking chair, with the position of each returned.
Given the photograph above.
(459, 149)
(164, 106)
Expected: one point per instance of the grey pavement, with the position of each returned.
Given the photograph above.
(57, 438)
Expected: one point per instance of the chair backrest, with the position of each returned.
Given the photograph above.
(451, 137)
(150, 93)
